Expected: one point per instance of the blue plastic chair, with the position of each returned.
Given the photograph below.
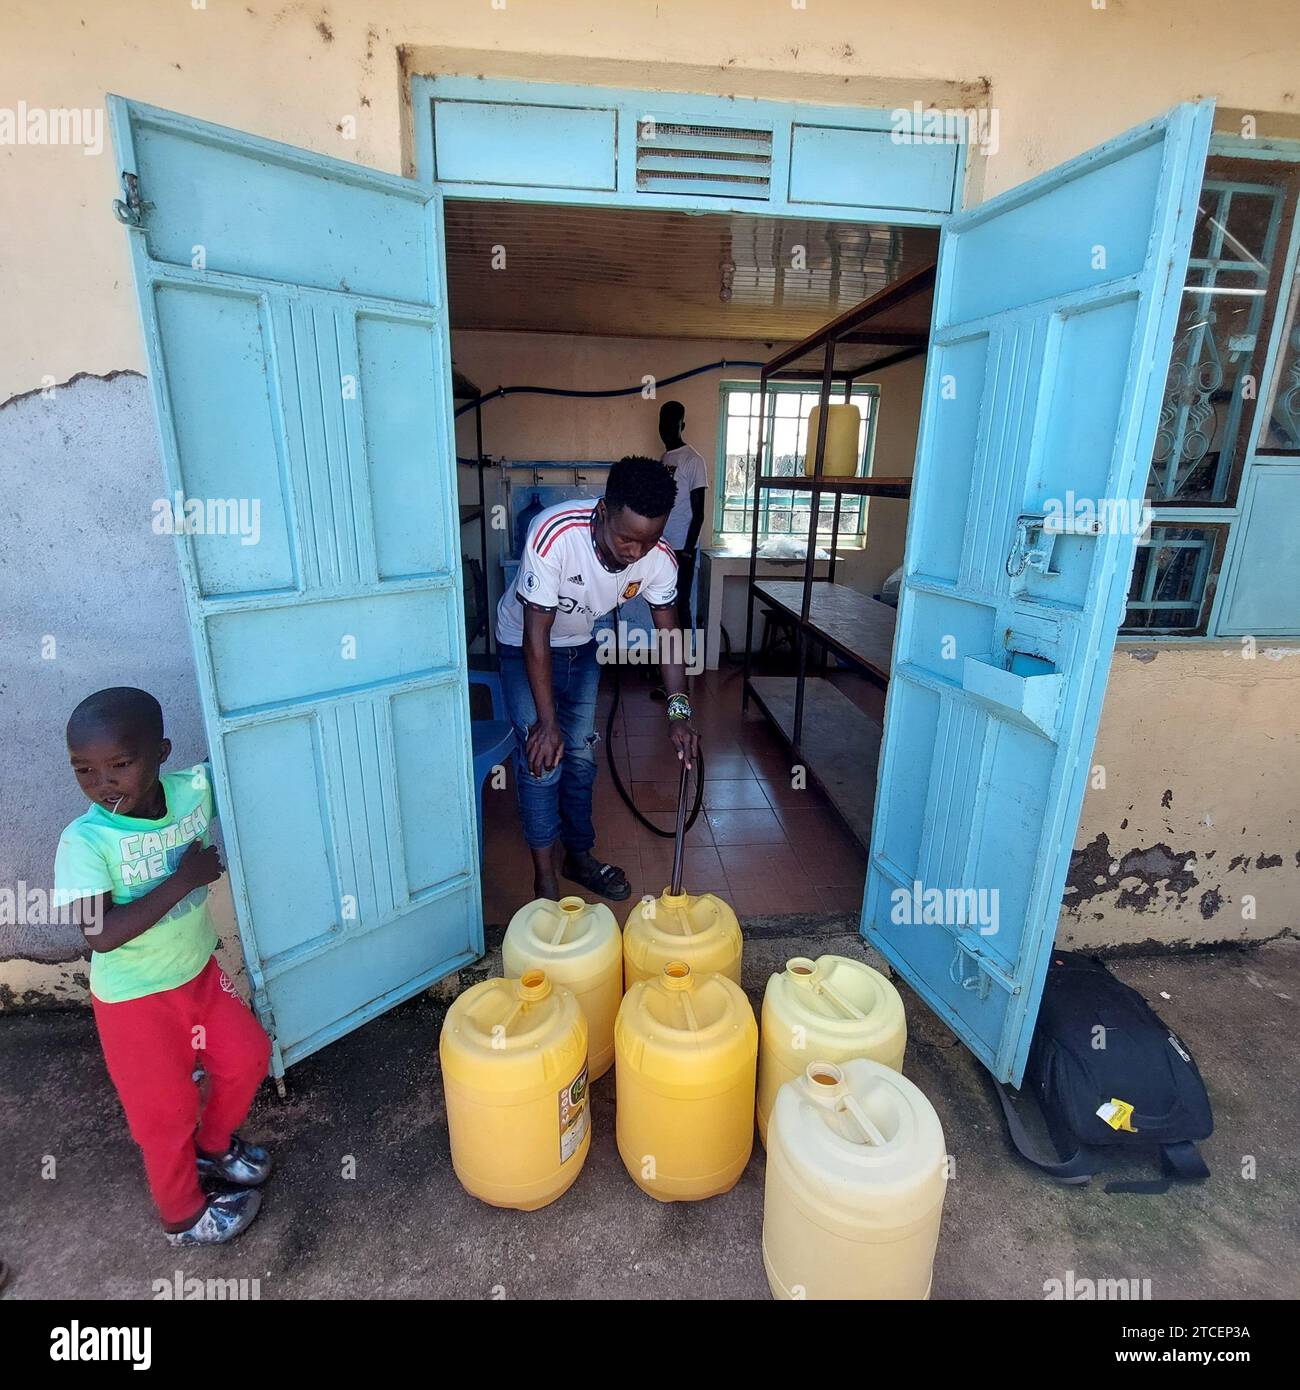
(493, 740)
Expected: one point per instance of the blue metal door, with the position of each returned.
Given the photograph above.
(294, 315)
(1054, 318)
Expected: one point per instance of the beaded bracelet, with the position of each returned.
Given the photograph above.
(679, 706)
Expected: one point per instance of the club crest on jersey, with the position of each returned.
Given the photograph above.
(632, 590)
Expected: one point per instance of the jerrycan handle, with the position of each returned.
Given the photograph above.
(849, 1105)
(807, 973)
(846, 1007)
(530, 987)
(569, 907)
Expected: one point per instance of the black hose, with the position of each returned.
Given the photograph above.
(722, 365)
(618, 781)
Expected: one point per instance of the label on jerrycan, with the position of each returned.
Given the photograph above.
(573, 1115)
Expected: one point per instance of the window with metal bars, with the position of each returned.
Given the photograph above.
(785, 448)
(1239, 278)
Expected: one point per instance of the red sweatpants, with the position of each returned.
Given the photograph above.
(151, 1045)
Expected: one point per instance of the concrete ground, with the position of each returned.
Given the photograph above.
(403, 1227)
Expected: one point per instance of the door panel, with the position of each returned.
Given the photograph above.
(225, 431)
(272, 212)
(527, 144)
(871, 168)
(295, 319)
(1054, 315)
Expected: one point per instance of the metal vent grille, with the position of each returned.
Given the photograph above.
(722, 161)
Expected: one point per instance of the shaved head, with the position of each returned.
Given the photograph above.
(671, 415)
(120, 710)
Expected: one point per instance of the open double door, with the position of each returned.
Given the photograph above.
(294, 312)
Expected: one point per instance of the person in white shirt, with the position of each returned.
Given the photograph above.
(686, 519)
(582, 558)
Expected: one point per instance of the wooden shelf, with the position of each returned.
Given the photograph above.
(866, 487)
(840, 746)
(861, 629)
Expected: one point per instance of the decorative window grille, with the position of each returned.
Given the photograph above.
(1236, 285)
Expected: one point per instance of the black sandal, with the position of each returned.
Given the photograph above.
(608, 881)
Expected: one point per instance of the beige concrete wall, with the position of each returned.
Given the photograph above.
(1061, 76)
(897, 423)
(1189, 831)
(547, 427)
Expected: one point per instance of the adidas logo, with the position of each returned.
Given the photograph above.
(574, 579)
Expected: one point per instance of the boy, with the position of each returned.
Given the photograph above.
(137, 866)
(582, 558)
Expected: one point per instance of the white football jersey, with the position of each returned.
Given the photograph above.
(561, 572)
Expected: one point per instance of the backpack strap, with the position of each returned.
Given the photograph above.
(1184, 1161)
(1180, 1161)
(1075, 1170)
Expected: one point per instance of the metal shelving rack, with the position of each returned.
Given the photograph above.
(463, 389)
(836, 740)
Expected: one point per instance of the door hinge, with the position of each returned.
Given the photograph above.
(262, 1008)
(131, 209)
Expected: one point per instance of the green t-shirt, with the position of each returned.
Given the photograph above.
(126, 857)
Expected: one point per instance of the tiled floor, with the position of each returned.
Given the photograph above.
(765, 846)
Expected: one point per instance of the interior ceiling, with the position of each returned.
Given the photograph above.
(651, 273)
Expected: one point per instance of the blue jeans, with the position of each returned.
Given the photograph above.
(556, 805)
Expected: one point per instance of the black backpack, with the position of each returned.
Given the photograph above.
(1098, 1045)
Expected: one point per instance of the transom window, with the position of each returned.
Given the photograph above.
(785, 449)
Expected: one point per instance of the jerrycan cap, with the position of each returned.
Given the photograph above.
(677, 975)
(532, 985)
(825, 1082)
(826, 1086)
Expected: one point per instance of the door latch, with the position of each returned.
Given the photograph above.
(1036, 533)
(131, 209)
(966, 970)
(1031, 546)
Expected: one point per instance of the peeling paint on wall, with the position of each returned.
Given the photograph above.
(1137, 875)
(47, 391)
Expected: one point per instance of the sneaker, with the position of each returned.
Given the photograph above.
(244, 1165)
(222, 1220)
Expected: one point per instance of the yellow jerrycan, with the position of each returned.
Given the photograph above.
(685, 1049)
(856, 1176)
(831, 1008)
(514, 1070)
(840, 457)
(578, 945)
(699, 930)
